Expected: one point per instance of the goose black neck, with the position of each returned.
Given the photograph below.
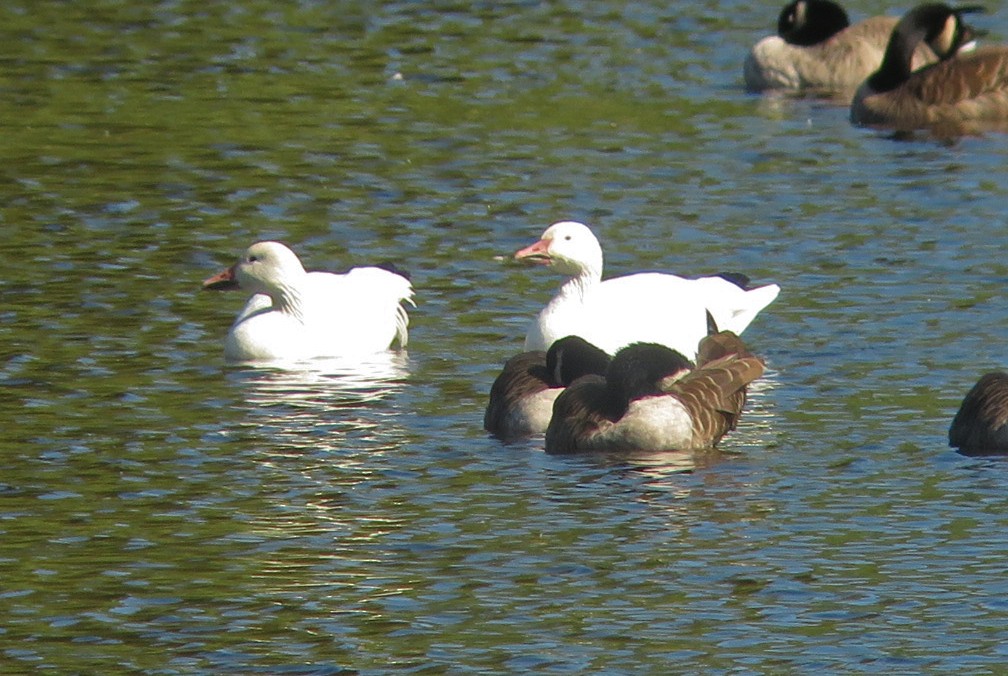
(924, 22)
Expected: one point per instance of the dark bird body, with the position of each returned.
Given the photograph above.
(961, 92)
(981, 425)
(652, 398)
(522, 396)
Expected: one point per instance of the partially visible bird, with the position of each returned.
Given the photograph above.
(817, 49)
(962, 92)
(522, 396)
(981, 424)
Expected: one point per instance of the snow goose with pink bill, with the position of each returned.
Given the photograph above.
(645, 307)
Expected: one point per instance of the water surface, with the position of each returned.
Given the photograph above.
(164, 512)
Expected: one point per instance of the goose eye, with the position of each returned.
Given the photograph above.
(253, 259)
(568, 238)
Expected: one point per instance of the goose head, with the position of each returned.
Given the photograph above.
(808, 22)
(641, 370)
(569, 247)
(571, 357)
(941, 26)
(948, 34)
(266, 267)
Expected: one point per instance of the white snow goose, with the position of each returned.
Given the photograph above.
(981, 425)
(294, 315)
(522, 396)
(644, 307)
(653, 399)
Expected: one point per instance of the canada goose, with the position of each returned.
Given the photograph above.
(957, 92)
(981, 425)
(644, 307)
(294, 315)
(522, 396)
(817, 49)
(652, 399)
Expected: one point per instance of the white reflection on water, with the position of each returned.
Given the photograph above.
(334, 381)
(314, 406)
(326, 432)
(757, 424)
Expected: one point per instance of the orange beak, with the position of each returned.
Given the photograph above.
(222, 281)
(537, 253)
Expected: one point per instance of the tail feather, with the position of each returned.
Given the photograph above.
(750, 304)
(715, 393)
(404, 295)
(720, 345)
(399, 290)
(402, 324)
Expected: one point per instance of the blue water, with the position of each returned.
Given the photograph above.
(164, 512)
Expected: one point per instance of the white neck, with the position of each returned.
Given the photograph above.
(288, 299)
(581, 284)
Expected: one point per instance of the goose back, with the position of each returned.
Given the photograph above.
(715, 394)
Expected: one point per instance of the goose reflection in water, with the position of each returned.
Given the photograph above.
(314, 440)
(652, 464)
(324, 401)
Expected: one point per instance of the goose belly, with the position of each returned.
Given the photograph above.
(531, 414)
(659, 423)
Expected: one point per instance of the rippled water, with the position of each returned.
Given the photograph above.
(162, 512)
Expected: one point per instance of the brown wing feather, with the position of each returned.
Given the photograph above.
(969, 76)
(720, 345)
(576, 415)
(715, 393)
(982, 421)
